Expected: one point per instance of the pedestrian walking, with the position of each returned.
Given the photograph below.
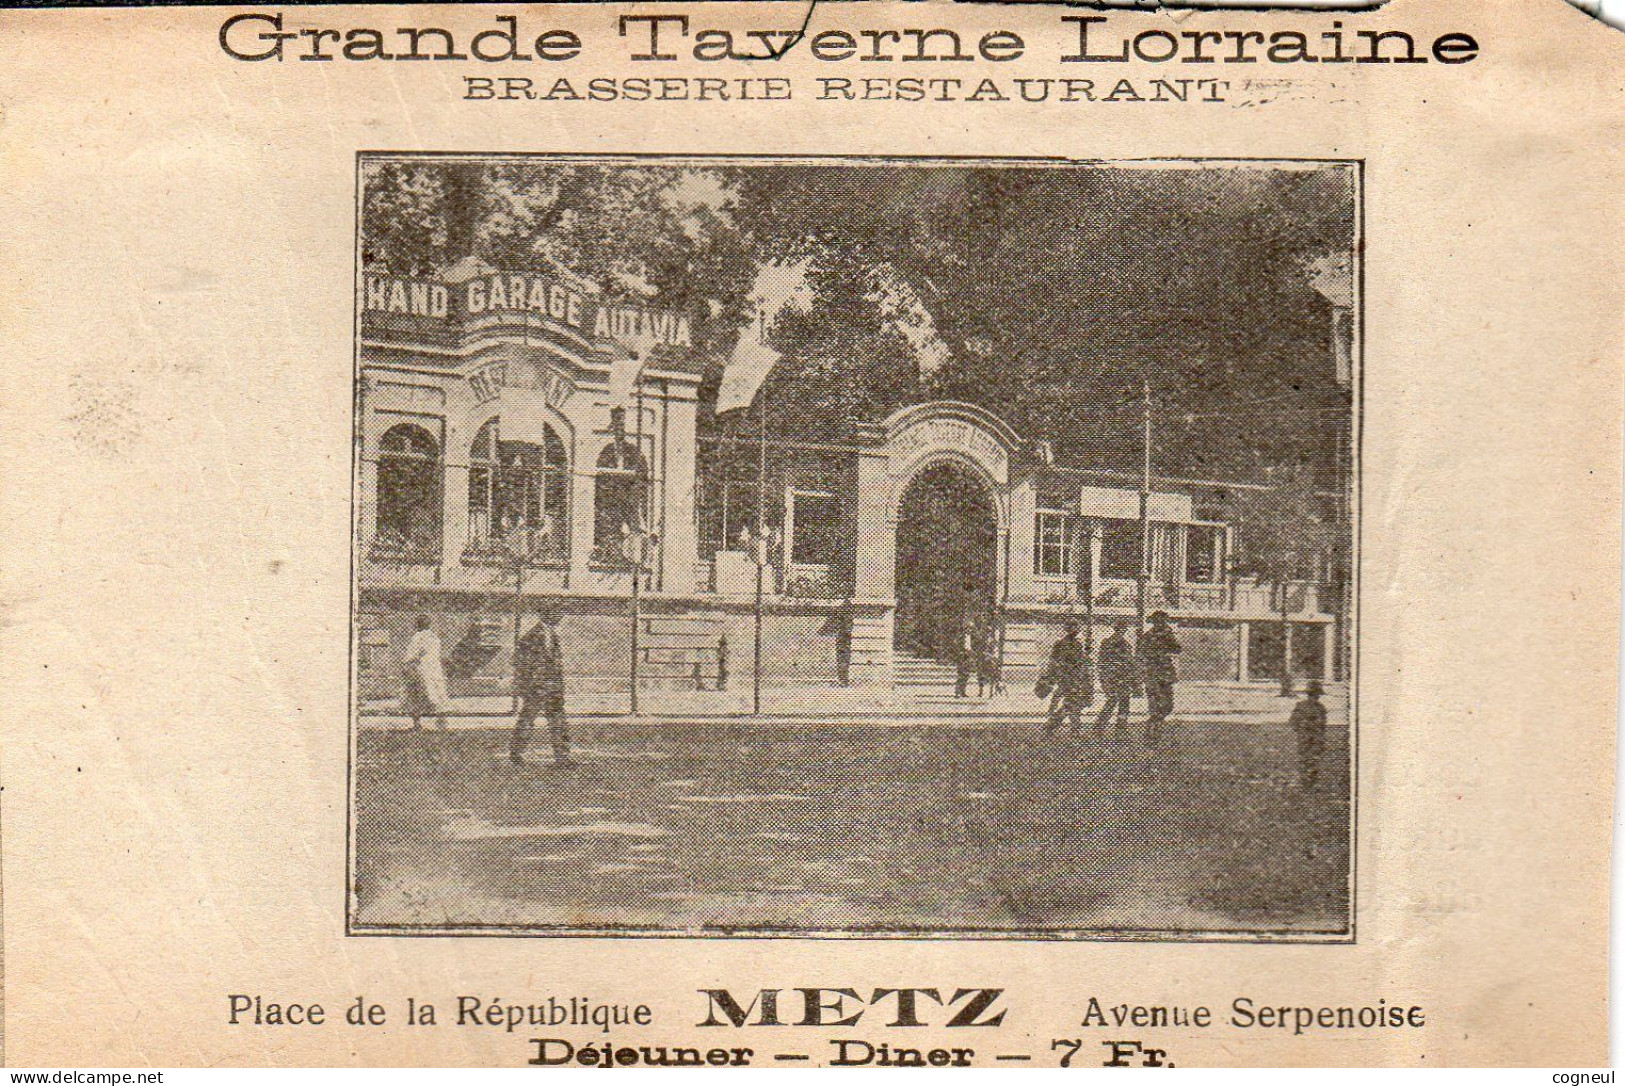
(1068, 680)
(964, 659)
(987, 663)
(424, 671)
(539, 685)
(1308, 722)
(1158, 647)
(1119, 678)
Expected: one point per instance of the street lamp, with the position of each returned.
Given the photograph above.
(515, 543)
(760, 553)
(1088, 532)
(635, 547)
(1288, 564)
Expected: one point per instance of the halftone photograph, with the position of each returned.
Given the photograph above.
(855, 547)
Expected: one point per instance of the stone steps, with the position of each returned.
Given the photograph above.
(674, 647)
(918, 671)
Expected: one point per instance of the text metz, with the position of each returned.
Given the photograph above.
(845, 1007)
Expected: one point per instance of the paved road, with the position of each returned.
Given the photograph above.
(1212, 702)
(704, 826)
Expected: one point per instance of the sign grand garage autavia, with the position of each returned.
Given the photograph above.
(528, 295)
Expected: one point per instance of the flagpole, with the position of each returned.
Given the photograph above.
(1145, 508)
(1003, 617)
(754, 376)
(518, 609)
(761, 543)
(1086, 586)
(518, 563)
(637, 542)
(637, 617)
(665, 440)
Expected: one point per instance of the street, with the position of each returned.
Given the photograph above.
(855, 827)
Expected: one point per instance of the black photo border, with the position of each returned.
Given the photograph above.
(1296, 936)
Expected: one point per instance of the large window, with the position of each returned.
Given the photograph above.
(1167, 560)
(519, 497)
(1120, 549)
(727, 515)
(620, 495)
(1055, 542)
(1204, 553)
(1120, 544)
(408, 508)
(818, 528)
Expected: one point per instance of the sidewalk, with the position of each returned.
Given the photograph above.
(1254, 703)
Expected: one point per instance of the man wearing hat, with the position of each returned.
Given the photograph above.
(1119, 678)
(1068, 677)
(1158, 647)
(539, 684)
(1309, 724)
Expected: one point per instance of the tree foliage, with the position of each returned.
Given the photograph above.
(1054, 290)
(1284, 532)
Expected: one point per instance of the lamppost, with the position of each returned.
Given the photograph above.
(635, 547)
(1288, 560)
(1141, 582)
(760, 554)
(761, 550)
(514, 543)
(1087, 534)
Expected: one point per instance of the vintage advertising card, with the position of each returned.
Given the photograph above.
(787, 535)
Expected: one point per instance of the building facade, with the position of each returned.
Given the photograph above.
(524, 439)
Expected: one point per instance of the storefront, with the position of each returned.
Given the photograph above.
(525, 439)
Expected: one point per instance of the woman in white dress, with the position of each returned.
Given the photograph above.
(425, 675)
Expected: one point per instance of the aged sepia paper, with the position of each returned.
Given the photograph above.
(594, 535)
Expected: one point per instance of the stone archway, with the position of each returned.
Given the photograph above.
(947, 559)
(975, 448)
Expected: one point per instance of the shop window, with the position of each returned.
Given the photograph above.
(728, 518)
(620, 498)
(518, 497)
(1055, 538)
(1167, 560)
(1203, 553)
(1120, 549)
(407, 526)
(818, 529)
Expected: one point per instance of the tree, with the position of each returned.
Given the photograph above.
(1282, 536)
(1051, 290)
(663, 235)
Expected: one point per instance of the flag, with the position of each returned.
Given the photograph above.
(524, 415)
(777, 286)
(625, 371)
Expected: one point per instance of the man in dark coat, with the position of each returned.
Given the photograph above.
(1308, 722)
(539, 683)
(1068, 675)
(964, 659)
(1158, 647)
(1119, 678)
(988, 680)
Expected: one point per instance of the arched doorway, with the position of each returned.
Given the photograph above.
(947, 572)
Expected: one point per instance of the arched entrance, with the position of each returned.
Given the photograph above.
(947, 571)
